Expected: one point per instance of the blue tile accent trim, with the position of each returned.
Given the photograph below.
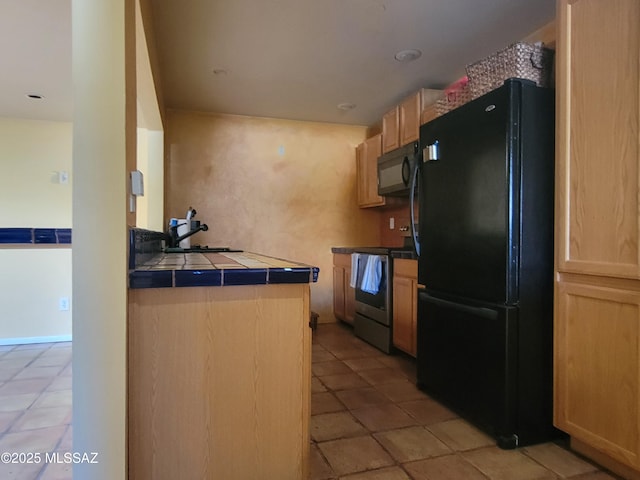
(198, 278)
(16, 235)
(44, 235)
(35, 235)
(246, 276)
(148, 279)
(64, 235)
(289, 275)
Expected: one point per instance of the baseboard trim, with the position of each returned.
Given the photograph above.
(30, 340)
(604, 460)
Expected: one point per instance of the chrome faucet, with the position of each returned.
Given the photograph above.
(173, 240)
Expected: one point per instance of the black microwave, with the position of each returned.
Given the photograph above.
(395, 169)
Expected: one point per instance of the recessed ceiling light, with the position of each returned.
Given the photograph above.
(35, 96)
(407, 55)
(346, 106)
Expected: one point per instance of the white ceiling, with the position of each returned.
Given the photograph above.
(35, 58)
(295, 59)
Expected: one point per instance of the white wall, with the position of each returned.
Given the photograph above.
(31, 153)
(34, 278)
(150, 161)
(31, 285)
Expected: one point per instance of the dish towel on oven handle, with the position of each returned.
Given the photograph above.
(353, 281)
(372, 275)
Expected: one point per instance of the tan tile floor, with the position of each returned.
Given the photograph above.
(35, 410)
(370, 422)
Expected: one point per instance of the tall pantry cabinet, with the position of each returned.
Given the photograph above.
(597, 288)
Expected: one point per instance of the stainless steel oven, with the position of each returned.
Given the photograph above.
(373, 317)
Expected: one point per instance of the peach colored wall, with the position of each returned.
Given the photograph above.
(277, 187)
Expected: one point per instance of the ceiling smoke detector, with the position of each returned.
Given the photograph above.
(405, 56)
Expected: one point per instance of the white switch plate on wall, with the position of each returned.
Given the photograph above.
(64, 304)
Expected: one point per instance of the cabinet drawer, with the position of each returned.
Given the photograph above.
(405, 267)
(342, 260)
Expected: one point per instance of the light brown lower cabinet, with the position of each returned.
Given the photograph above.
(598, 368)
(405, 305)
(219, 382)
(344, 296)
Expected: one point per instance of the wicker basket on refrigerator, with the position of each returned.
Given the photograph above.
(455, 95)
(521, 60)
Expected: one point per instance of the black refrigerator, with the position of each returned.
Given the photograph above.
(485, 238)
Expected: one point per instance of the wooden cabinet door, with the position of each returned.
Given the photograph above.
(597, 360)
(338, 292)
(405, 305)
(391, 130)
(410, 111)
(429, 97)
(349, 297)
(373, 151)
(403, 324)
(598, 102)
(361, 173)
(344, 296)
(367, 165)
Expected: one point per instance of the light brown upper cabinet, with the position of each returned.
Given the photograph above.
(401, 125)
(428, 98)
(597, 296)
(410, 111)
(367, 154)
(391, 130)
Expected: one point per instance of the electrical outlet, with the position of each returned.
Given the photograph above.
(392, 223)
(64, 304)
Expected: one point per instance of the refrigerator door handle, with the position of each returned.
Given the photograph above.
(431, 152)
(476, 311)
(412, 196)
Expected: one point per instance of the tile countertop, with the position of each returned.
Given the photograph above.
(218, 269)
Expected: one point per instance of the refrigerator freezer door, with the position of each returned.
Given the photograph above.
(467, 358)
(469, 201)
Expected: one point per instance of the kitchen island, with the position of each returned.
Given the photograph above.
(219, 366)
